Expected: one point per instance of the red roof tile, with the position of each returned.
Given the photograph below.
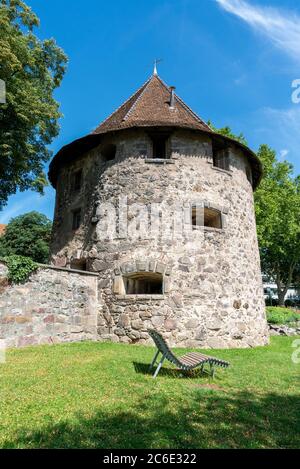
(150, 106)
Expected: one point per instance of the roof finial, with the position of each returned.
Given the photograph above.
(156, 62)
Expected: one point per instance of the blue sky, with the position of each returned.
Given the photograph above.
(232, 61)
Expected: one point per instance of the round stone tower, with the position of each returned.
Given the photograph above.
(161, 206)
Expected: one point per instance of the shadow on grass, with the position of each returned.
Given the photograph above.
(144, 369)
(203, 419)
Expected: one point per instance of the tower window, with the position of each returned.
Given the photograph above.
(143, 283)
(221, 158)
(159, 145)
(249, 175)
(109, 152)
(76, 219)
(207, 217)
(78, 264)
(77, 180)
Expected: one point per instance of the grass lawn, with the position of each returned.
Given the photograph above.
(99, 395)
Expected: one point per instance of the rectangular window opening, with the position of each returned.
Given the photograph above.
(78, 264)
(207, 217)
(159, 145)
(249, 175)
(145, 283)
(221, 158)
(77, 180)
(76, 219)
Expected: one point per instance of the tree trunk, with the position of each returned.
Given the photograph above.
(281, 296)
(282, 287)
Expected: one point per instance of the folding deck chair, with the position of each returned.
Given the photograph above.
(187, 362)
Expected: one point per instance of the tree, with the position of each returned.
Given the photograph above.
(27, 235)
(31, 69)
(277, 205)
(228, 133)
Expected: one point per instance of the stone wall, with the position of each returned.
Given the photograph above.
(214, 295)
(53, 306)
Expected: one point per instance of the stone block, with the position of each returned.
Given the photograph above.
(145, 315)
(7, 319)
(170, 324)
(168, 270)
(177, 298)
(184, 268)
(216, 342)
(99, 266)
(124, 320)
(157, 321)
(216, 325)
(25, 341)
(49, 319)
(133, 335)
(119, 332)
(167, 285)
(118, 287)
(192, 324)
(22, 319)
(141, 266)
(137, 324)
(160, 268)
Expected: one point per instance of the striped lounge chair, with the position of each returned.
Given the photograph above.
(187, 362)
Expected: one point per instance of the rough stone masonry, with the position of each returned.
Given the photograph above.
(150, 152)
(52, 306)
(201, 287)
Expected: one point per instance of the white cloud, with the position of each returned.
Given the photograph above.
(283, 153)
(281, 130)
(281, 27)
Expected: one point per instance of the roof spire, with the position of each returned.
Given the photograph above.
(156, 62)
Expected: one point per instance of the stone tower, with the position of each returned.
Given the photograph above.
(161, 206)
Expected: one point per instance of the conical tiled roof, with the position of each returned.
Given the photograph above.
(150, 106)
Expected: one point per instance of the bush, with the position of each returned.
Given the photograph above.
(19, 268)
(27, 235)
(279, 315)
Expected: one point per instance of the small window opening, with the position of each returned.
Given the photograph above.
(207, 217)
(78, 264)
(76, 219)
(77, 180)
(159, 145)
(109, 152)
(221, 157)
(144, 283)
(249, 175)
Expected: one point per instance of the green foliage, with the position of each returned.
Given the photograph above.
(277, 206)
(19, 268)
(279, 315)
(228, 133)
(27, 235)
(31, 69)
(101, 395)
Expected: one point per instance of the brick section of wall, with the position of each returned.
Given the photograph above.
(53, 306)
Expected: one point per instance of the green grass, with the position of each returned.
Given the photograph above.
(97, 395)
(280, 315)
